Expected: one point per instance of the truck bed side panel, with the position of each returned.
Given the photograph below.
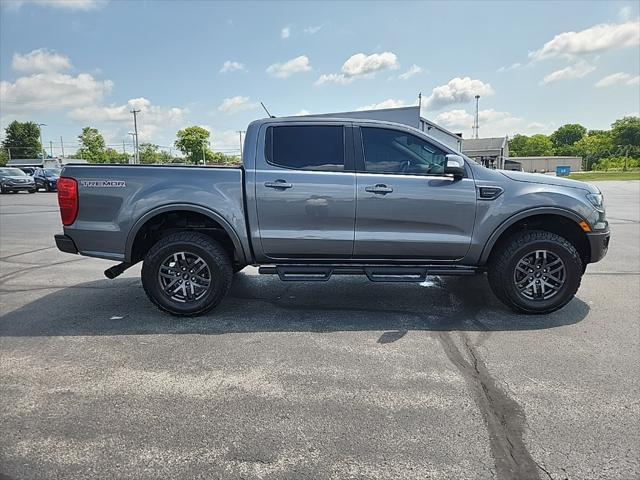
(109, 209)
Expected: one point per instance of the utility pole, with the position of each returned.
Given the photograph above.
(62, 146)
(135, 129)
(123, 149)
(241, 132)
(40, 125)
(204, 162)
(51, 147)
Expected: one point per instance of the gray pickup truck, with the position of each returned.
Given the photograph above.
(318, 197)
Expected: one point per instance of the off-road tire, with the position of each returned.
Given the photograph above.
(503, 263)
(210, 251)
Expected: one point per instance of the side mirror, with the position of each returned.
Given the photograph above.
(454, 166)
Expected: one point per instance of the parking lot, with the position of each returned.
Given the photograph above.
(343, 379)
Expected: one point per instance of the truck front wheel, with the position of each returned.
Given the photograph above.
(186, 273)
(535, 272)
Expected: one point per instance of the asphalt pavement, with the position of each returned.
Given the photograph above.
(343, 379)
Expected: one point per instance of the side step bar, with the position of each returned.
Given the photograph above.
(375, 273)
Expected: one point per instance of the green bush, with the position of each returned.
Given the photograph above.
(617, 163)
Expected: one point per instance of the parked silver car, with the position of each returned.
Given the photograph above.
(15, 180)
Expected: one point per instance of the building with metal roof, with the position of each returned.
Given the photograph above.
(490, 152)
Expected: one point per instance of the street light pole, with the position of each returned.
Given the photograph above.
(133, 137)
(135, 129)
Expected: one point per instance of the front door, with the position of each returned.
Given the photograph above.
(305, 194)
(406, 207)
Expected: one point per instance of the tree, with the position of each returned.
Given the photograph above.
(193, 142)
(113, 156)
(92, 146)
(625, 136)
(22, 140)
(566, 136)
(150, 153)
(4, 157)
(593, 147)
(536, 145)
(517, 145)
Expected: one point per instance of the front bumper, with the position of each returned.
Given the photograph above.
(19, 188)
(65, 244)
(599, 243)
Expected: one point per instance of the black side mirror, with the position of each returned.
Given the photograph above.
(454, 165)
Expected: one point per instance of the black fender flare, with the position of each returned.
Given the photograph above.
(213, 215)
(493, 238)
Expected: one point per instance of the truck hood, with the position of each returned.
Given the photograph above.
(548, 180)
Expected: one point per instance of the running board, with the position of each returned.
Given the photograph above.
(375, 273)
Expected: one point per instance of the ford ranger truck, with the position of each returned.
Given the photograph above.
(317, 197)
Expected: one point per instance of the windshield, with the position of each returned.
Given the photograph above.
(52, 172)
(12, 172)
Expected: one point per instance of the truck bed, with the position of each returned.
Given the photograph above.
(116, 200)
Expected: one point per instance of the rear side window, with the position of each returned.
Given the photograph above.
(306, 147)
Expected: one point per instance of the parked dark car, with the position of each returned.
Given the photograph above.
(28, 170)
(47, 178)
(15, 180)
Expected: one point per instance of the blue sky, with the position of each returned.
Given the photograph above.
(536, 65)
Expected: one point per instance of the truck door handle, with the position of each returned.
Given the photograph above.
(380, 188)
(278, 184)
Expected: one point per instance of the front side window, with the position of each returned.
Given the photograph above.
(393, 151)
(306, 147)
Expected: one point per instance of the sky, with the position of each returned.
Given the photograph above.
(536, 65)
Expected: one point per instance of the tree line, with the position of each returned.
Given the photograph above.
(616, 148)
(22, 141)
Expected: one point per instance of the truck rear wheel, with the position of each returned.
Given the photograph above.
(186, 273)
(535, 272)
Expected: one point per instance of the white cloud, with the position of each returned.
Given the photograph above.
(619, 78)
(285, 32)
(458, 90)
(40, 60)
(577, 70)
(231, 66)
(493, 123)
(413, 70)
(51, 91)
(361, 65)
(236, 104)
(389, 103)
(285, 70)
(152, 119)
(81, 5)
(599, 38)
(312, 30)
(508, 68)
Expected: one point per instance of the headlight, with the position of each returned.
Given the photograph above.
(596, 199)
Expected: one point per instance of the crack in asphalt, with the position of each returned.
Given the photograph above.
(25, 253)
(503, 416)
(5, 278)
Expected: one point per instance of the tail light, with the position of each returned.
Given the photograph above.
(68, 200)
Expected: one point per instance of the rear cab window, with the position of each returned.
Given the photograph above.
(306, 147)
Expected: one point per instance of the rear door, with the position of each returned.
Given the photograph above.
(406, 207)
(305, 191)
